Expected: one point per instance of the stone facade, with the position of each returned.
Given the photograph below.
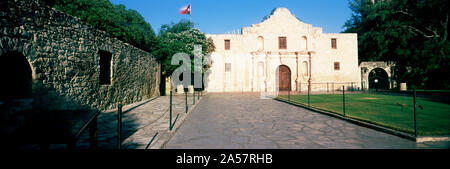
(254, 57)
(63, 54)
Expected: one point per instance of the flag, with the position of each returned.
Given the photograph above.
(185, 10)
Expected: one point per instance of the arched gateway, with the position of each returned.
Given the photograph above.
(377, 75)
(15, 73)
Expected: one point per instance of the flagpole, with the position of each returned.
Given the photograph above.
(190, 12)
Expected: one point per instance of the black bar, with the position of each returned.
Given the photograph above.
(119, 126)
(46, 146)
(71, 145)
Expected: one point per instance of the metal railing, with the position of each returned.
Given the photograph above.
(403, 111)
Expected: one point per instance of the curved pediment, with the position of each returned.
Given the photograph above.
(277, 22)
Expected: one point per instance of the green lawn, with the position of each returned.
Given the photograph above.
(386, 110)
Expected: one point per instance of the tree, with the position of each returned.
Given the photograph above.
(126, 25)
(180, 37)
(410, 33)
(268, 16)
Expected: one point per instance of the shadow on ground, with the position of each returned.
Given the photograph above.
(40, 113)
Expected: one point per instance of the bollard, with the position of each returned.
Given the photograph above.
(415, 124)
(343, 98)
(170, 111)
(119, 126)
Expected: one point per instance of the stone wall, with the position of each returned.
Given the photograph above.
(64, 56)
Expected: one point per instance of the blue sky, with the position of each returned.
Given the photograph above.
(220, 16)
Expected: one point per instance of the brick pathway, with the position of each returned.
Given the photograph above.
(226, 121)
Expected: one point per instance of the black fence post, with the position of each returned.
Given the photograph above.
(119, 126)
(352, 87)
(343, 98)
(289, 95)
(332, 85)
(415, 124)
(362, 84)
(170, 111)
(309, 92)
(327, 88)
(185, 93)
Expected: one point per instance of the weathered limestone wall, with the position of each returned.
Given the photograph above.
(64, 56)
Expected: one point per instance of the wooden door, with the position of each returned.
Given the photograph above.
(284, 75)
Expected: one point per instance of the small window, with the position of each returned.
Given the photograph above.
(334, 43)
(105, 68)
(337, 66)
(227, 67)
(282, 43)
(227, 44)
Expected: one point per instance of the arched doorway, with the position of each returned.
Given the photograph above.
(378, 79)
(284, 78)
(15, 73)
(368, 67)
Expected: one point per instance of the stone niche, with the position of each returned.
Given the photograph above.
(72, 64)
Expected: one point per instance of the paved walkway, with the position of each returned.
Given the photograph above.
(140, 122)
(227, 121)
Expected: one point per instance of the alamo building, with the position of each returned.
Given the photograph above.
(282, 45)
